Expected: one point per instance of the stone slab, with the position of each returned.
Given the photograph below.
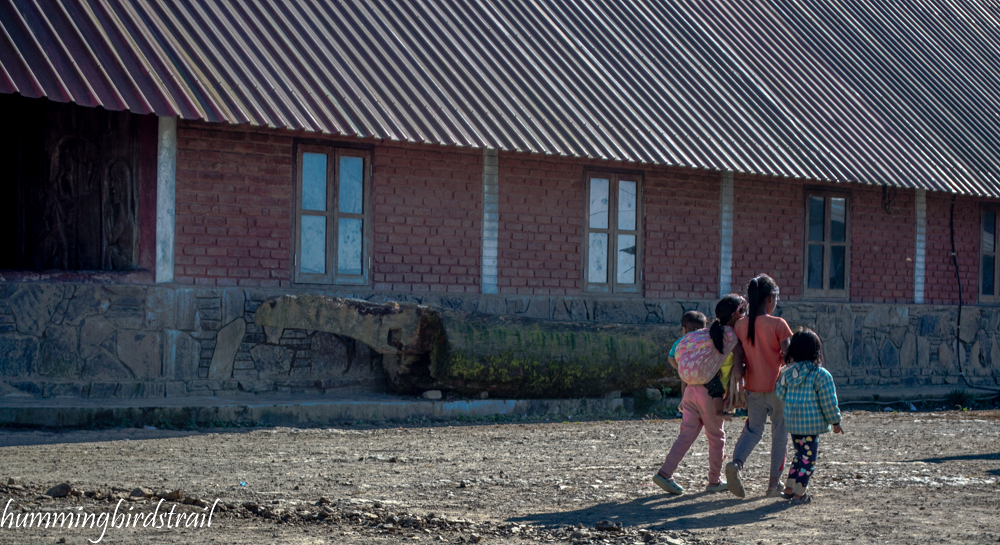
(18, 356)
(59, 357)
(33, 305)
(226, 345)
(181, 355)
(141, 353)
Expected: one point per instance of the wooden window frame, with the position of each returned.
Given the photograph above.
(333, 214)
(612, 287)
(826, 293)
(995, 298)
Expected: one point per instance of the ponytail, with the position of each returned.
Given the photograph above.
(758, 291)
(718, 335)
(724, 310)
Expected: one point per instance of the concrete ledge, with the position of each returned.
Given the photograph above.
(305, 411)
(281, 410)
(883, 395)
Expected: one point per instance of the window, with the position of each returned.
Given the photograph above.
(988, 271)
(333, 244)
(828, 248)
(613, 234)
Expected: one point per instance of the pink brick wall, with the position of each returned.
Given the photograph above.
(541, 225)
(428, 219)
(881, 243)
(940, 285)
(767, 233)
(234, 204)
(682, 233)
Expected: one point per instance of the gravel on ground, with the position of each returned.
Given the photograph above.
(915, 477)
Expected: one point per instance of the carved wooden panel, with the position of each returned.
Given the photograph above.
(76, 187)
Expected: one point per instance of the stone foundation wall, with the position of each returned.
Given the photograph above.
(102, 341)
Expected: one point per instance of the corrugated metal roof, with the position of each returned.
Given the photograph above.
(903, 93)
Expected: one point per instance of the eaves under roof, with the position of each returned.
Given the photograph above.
(901, 93)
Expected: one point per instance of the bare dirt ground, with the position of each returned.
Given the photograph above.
(923, 477)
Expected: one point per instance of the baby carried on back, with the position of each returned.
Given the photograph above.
(701, 357)
(705, 357)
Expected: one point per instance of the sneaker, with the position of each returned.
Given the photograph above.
(802, 501)
(733, 481)
(776, 493)
(721, 487)
(668, 485)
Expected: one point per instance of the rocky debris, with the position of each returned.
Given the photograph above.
(379, 518)
(176, 495)
(608, 526)
(140, 492)
(432, 394)
(60, 490)
(14, 485)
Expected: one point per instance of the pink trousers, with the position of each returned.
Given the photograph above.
(699, 412)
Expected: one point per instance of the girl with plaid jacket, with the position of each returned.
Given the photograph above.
(810, 399)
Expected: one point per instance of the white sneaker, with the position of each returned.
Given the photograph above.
(721, 487)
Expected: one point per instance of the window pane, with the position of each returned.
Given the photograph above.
(351, 187)
(625, 273)
(989, 232)
(838, 256)
(599, 188)
(597, 253)
(817, 211)
(313, 259)
(349, 246)
(626, 206)
(838, 219)
(815, 279)
(313, 181)
(989, 269)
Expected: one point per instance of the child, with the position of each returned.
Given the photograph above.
(699, 408)
(691, 321)
(810, 399)
(764, 339)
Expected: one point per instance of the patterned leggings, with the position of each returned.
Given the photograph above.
(806, 448)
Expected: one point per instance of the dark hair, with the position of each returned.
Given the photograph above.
(805, 346)
(724, 310)
(759, 289)
(693, 320)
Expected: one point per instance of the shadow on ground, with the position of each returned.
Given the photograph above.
(966, 457)
(686, 512)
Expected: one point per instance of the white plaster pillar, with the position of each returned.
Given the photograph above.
(919, 263)
(726, 228)
(166, 192)
(491, 221)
